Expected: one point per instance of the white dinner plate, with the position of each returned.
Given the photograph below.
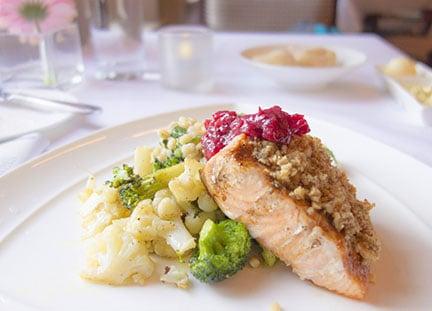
(40, 234)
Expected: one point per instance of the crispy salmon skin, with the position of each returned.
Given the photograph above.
(302, 237)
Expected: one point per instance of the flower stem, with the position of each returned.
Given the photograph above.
(48, 72)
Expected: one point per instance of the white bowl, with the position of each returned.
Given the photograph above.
(305, 78)
(420, 114)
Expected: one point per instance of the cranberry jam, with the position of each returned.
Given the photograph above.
(272, 124)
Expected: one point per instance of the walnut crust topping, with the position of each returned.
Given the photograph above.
(305, 169)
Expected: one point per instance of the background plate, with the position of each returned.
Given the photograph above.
(40, 246)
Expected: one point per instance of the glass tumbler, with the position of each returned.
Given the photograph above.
(186, 56)
(116, 36)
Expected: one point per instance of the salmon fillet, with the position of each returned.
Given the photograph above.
(302, 238)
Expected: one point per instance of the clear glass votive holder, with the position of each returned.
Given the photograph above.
(186, 56)
(52, 59)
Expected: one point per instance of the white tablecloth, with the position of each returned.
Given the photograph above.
(358, 101)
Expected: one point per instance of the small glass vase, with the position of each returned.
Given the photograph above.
(52, 59)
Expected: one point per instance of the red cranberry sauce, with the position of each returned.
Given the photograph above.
(272, 124)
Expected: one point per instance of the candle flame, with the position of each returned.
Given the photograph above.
(185, 50)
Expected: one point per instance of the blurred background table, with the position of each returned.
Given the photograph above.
(358, 102)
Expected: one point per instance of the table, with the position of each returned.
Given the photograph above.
(358, 102)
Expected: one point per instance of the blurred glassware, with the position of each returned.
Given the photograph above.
(51, 59)
(116, 34)
(186, 56)
(83, 21)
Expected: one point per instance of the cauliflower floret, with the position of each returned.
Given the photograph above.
(142, 161)
(174, 276)
(88, 190)
(180, 238)
(161, 248)
(145, 225)
(194, 221)
(165, 205)
(116, 257)
(206, 202)
(188, 186)
(100, 209)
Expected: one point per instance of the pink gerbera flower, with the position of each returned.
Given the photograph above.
(31, 16)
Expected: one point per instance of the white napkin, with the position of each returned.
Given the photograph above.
(17, 119)
(17, 151)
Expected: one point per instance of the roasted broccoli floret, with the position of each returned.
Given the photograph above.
(131, 195)
(133, 188)
(172, 160)
(178, 131)
(223, 250)
(121, 175)
(269, 258)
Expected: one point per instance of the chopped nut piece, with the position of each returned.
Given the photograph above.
(254, 262)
